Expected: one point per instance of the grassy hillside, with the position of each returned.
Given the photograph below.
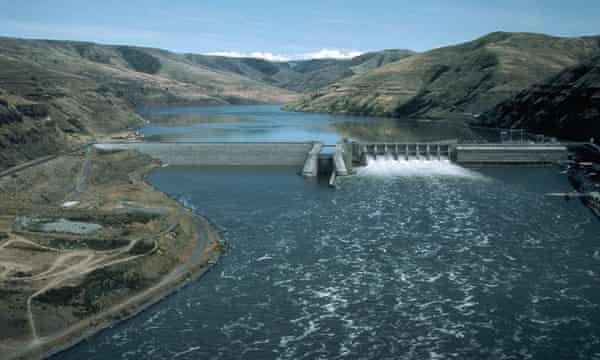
(88, 90)
(450, 81)
(566, 105)
(300, 76)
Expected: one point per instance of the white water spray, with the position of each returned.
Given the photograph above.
(387, 166)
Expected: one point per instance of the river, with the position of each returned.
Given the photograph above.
(424, 260)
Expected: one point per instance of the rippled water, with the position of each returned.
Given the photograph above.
(443, 262)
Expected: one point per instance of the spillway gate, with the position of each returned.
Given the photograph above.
(401, 151)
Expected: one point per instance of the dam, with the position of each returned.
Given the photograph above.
(314, 158)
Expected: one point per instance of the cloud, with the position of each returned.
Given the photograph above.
(257, 54)
(321, 54)
(332, 54)
(270, 56)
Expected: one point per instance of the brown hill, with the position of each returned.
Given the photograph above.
(304, 75)
(454, 80)
(89, 90)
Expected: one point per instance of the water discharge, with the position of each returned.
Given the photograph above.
(387, 166)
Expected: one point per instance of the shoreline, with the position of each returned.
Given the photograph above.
(207, 250)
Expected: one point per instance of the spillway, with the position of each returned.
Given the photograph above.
(388, 166)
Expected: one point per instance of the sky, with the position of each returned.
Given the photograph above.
(286, 29)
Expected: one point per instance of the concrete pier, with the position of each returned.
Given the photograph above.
(311, 165)
(339, 160)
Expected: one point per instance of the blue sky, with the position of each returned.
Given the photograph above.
(292, 29)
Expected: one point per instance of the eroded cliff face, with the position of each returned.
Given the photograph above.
(565, 106)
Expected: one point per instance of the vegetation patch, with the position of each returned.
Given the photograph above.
(437, 71)
(64, 296)
(139, 60)
(262, 66)
(95, 291)
(142, 247)
(482, 60)
(89, 52)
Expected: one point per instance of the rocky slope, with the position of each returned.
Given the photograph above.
(27, 132)
(88, 90)
(454, 80)
(566, 105)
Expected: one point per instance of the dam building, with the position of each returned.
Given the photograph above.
(314, 158)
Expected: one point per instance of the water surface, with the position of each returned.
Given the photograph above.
(406, 259)
(440, 263)
(265, 123)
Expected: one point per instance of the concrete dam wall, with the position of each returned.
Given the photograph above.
(311, 159)
(511, 153)
(503, 153)
(219, 154)
(424, 151)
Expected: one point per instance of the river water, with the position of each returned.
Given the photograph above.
(268, 123)
(423, 260)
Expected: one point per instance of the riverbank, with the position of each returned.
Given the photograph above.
(174, 281)
(584, 175)
(169, 247)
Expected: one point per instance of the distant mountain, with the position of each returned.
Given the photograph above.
(88, 89)
(566, 105)
(454, 80)
(302, 75)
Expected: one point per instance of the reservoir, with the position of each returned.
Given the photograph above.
(414, 259)
(267, 123)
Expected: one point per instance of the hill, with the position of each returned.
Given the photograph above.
(303, 75)
(566, 105)
(454, 80)
(87, 90)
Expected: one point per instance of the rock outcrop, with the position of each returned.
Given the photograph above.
(8, 114)
(565, 106)
(33, 110)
